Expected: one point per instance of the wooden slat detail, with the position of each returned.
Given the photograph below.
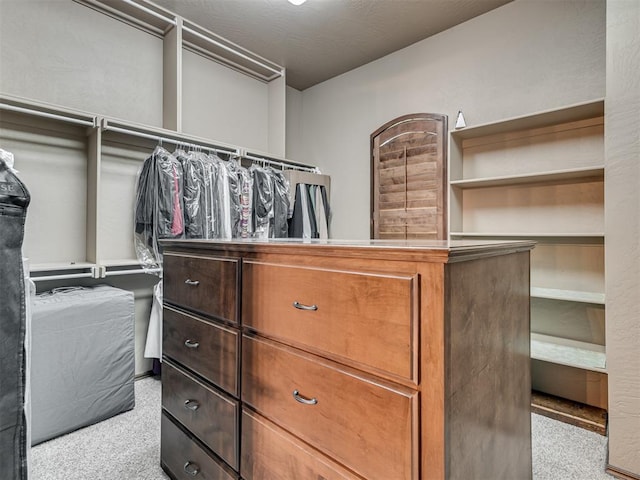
(411, 170)
(408, 178)
(426, 195)
(410, 141)
(425, 184)
(414, 155)
(418, 216)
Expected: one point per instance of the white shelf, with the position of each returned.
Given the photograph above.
(577, 174)
(84, 269)
(568, 295)
(59, 266)
(586, 235)
(572, 353)
(545, 118)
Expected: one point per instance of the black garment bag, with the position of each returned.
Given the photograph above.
(14, 200)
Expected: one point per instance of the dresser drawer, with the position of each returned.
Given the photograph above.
(185, 459)
(368, 319)
(271, 453)
(208, 349)
(209, 415)
(370, 427)
(203, 284)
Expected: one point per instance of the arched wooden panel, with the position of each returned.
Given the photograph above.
(408, 178)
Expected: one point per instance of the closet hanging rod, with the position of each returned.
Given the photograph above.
(65, 276)
(172, 21)
(173, 141)
(110, 273)
(54, 116)
(283, 164)
(231, 50)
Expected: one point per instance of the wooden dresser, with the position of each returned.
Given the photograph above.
(346, 360)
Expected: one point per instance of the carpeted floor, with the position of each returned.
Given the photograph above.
(124, 447)
(127, 447)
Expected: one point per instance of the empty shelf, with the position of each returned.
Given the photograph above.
(541, 177)
(569, 295)
(572, 353)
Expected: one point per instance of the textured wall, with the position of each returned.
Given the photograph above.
(622, 229)
(294, 125)
(223, 104)
(523, 57)
(64, 53)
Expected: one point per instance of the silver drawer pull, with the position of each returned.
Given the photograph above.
(301, 306)
(191, 405)
(193, 283)
(306, 401)
(191, 468)
(191, 344)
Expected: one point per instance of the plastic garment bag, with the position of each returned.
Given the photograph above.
(245, 227)
(262, 201)
(159, 206)
(279, 226)
(194, 199)
(223, 199)
(235, 190)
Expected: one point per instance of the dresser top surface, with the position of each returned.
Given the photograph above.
(443, 250)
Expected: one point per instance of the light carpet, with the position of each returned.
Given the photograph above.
(127, 447)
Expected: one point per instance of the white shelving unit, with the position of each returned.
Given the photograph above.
(541, 177)
(81, 169)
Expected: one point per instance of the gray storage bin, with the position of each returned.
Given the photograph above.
(82, 358)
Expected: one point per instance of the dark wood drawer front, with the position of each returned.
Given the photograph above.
(209, 350)
(204, 284)
(369, 427)
(270, 453)
(211, 416)
(368, 319)
(184, 458)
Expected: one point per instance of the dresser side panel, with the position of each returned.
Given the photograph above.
(488, 379)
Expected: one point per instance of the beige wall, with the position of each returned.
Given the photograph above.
(223, 104)
(622, 230)
(70, 55)
(64, 53)
(524, 57)
(294, 125)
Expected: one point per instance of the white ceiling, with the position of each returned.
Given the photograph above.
(324, 38)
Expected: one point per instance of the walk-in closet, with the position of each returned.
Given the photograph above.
(300, 239)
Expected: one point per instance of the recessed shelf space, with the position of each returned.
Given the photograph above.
(541, 177)
(574, 208)
(50, 155)
(572, 353)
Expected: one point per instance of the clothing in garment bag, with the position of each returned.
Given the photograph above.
(279, 227)
(310, 217)
(14, 200)
(159, 206)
